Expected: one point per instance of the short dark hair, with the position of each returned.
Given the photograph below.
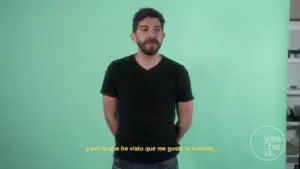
(144, 13)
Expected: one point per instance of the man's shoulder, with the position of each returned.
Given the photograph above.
(122, 60)
(174, 64)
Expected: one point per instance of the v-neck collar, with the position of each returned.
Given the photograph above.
(150, 69)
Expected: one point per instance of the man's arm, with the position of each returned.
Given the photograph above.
(110, 113)
(110, 98)
(185, 117)
(184, 104)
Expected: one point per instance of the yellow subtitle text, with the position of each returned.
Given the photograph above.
(149, 149)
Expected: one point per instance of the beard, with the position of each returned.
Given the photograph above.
(152, 49)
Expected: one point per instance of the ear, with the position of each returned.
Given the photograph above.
(133, 37)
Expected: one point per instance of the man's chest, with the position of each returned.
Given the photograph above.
(146, 85)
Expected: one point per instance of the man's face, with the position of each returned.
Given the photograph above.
(149, 36)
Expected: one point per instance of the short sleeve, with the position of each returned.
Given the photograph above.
(109, 83)
(184, 89)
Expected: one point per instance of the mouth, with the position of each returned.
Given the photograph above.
(151, 44)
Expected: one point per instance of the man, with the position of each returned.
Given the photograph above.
(140, 95)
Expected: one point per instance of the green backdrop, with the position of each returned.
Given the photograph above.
(53, 58)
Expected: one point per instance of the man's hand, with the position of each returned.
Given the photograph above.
(185, 116)
(110, 113)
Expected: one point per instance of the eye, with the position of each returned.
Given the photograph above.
(157, 29)
(144, 29)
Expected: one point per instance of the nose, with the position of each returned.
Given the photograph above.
(151, 36)
(152, 33)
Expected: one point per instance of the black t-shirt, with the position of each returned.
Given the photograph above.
(146, 106)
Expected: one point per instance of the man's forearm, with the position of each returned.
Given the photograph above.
(185, 116)
(181, 129)
(113, 124)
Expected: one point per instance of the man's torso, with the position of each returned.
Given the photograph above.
(146, 110)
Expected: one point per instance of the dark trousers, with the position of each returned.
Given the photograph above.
(168, 164)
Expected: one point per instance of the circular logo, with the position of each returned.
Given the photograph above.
(267, 143)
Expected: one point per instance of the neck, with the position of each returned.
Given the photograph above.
(147, 61)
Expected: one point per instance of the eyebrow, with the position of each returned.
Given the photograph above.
(145, 26)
